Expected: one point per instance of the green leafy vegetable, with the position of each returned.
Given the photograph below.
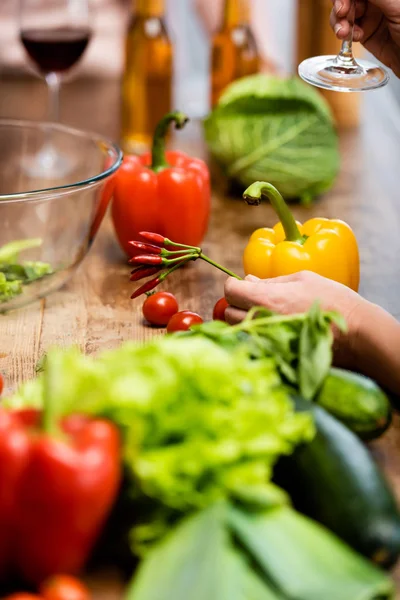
(278, 129)
(15, 274)
(300, 345)
(200, 423)
(306, 561)
(198, 561)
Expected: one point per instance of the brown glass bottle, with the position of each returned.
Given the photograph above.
(147, 79)
(234, 48)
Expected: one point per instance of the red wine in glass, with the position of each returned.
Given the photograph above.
(55, 50)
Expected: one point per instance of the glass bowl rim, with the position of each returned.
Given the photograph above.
(61, 190)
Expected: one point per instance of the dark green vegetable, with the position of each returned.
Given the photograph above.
(334, 480)
(356, 401)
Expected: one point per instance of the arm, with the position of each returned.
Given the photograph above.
(376, 345)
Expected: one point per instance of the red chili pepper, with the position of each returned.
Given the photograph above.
(147, 247)
(56, 492)
(143, 272)
(167, 193)
(155, 238)
(146, 287)
(147, 259)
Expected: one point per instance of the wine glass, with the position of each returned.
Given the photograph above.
(343, 73)
(55, 34)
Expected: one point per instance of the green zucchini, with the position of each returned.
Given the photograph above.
(356, 401)
(335, 481)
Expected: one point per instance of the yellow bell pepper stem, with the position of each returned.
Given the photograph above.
(261, 190)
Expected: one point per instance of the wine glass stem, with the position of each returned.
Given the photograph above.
(346, 57)
(53, 84)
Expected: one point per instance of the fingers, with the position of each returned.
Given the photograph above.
(341, 27)
(242, 294)
(234, 315)
(339, 22)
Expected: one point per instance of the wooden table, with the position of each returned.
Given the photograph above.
(94, 310)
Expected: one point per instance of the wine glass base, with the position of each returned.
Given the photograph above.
(48, 163)
(325, 72)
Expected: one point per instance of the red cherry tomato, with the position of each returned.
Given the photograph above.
(219, 310)
(1, 383)
(182, 321)
(159, 308)
(64, 587)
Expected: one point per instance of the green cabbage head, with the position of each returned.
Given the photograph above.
(278, 130)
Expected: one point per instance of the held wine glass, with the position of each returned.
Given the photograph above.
(55, 34)
(343, 73)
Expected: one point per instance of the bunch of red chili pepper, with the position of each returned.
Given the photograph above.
(160, 257)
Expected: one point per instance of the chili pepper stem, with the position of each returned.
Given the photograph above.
(261, 190)
(183, 262)
(218, 266)
(158, 158)
(168, 242)
(178, 259)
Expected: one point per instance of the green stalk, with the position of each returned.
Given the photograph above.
(177, 266)
(260, 190)
(158, 158)
(50, 413)
(218, 266)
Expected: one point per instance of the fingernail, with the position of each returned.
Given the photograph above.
(338, 6)
(337, 28)
(252, 278)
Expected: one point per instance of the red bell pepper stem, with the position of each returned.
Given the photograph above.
(259, 191)
(50, 413)
(158, 158)
(218, 266)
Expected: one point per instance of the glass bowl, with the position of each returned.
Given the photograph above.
(48, 221)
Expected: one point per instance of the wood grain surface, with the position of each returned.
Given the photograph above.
(94, 310)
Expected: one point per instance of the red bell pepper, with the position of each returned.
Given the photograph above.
(56, 491)
(165, 192)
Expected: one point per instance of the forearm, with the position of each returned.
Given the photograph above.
(376, 346)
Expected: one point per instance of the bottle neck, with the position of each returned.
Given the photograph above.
(236, 12)
(149, 8)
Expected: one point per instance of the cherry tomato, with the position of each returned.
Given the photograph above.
(182, 321)
(159, 308)
(64, 587)
(219, 310)
(1, 383)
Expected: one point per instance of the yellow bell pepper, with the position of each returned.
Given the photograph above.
(326, 246)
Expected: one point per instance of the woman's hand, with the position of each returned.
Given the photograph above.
(372, 343)
(295, 294)
(377, 28)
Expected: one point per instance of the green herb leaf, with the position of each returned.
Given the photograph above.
(315, 352)
(306, 561)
